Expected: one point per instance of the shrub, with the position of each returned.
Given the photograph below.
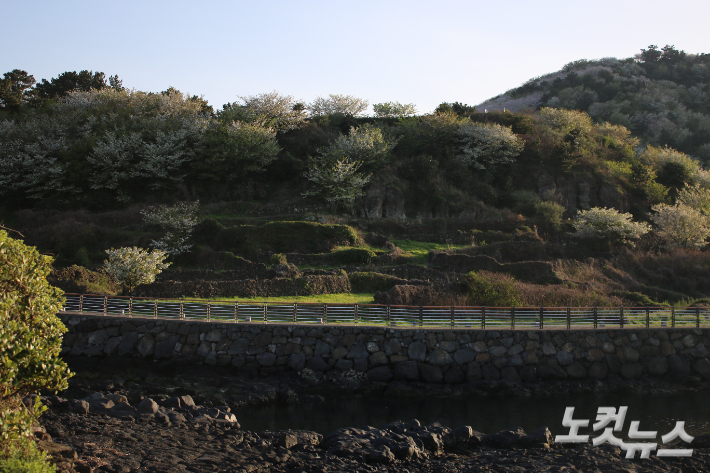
(278, 258)
(491, 289)
(352, 256)
(134, 266)
(30, 341)
(550, 213)
(681, 226)
(373, 282)
(608, 225)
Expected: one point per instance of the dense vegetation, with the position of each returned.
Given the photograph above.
(87, 165)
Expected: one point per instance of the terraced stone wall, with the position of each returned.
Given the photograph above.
(434, 356)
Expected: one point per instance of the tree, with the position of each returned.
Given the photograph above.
(337, 182)
(366, 145)
(567, 120)
(176, 221)
(680, 225)
(83, 81)
(696, 197)
(335, 103)
(272, 109)
(394, 110)
(487, 145)
(15, 89)
(460, 109)
(134, 266)
(30, 342)
(608, 225)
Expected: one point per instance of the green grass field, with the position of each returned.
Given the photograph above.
(420, 249)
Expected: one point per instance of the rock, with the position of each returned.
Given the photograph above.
(489, 371)
(57, 450)
(497, 351)
(147, 406)
(449, 346)
(316, 363)
(551, 372)
(631, 370)
(509, 373)
(657, 365)
(564, 358)
(344, 365)
(297, 361)
(440, 358)
(164, 349)
(473, 372)
(146, 345)
(528, 373)
(128, 341)
(541, 437)
(454, 376)
(430, 374)
(378, 359)
(100, 406)
(380, 374)
(79, 406)
(463, 356)
(122, 410)
(359, 350)
(576, 370)
(287, 440)
(266, 359)
(504, 438)
(598, 370)
(678, 365)
(406, 371)
(702, 367)
(417, 351)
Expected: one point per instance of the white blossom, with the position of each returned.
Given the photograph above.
(608, 224)
(680, 225)
(485, 145)
(177, 221)
(134, 266)
(335, 103)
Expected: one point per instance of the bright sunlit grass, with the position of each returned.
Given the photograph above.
(420, 249)
(361, 298)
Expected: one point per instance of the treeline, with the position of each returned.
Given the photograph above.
(82, 140)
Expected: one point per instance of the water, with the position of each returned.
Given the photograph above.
(658, 413)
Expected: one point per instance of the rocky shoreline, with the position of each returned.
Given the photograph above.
(104, 433)
(174, 417)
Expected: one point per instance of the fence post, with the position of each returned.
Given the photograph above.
(208, 311)
(325, 313)
(512, 318)
(648, 318)
(130, 306)
(388, 315)
(421, 316)
(266, 315)
(295, 312)
(81, 303)
(355, 314)
(672, 316)
(697, 316)
(155, 309)
(621, 317)
(236, 311)
(182, 307)
(453, 315)
(569, 318)
(596, 317)
(483, 317)
(542, 317)
(105, 304)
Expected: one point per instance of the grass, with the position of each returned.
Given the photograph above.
(420, 249)
(361, 298)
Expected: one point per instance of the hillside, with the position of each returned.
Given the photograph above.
(661, 95)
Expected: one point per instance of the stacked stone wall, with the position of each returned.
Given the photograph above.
(434, 356)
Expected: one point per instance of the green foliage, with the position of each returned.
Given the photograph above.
(491, 289)
(372, 282)
(30, 342)
(134, 266)
(394, 110)
(278, 237)
(336, 182)
(352, 256)
(23, 456)
(608, 226)
(278, 258)
(15, 89)
(550, 213)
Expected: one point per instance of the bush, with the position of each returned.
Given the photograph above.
(373, 282)
(134, 266)
(30, 342)
(491, 289)
(352, 256)
(681, 226)
(278, 258)
(608, 226)
(550, 213)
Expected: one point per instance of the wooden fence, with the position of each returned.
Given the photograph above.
(390, 315)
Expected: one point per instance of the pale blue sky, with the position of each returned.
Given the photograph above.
(420, 52)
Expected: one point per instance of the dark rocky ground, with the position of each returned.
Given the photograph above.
(121, 416)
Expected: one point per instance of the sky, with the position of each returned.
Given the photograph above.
(414, 51)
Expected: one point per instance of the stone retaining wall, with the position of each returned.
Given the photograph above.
(434, 356)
